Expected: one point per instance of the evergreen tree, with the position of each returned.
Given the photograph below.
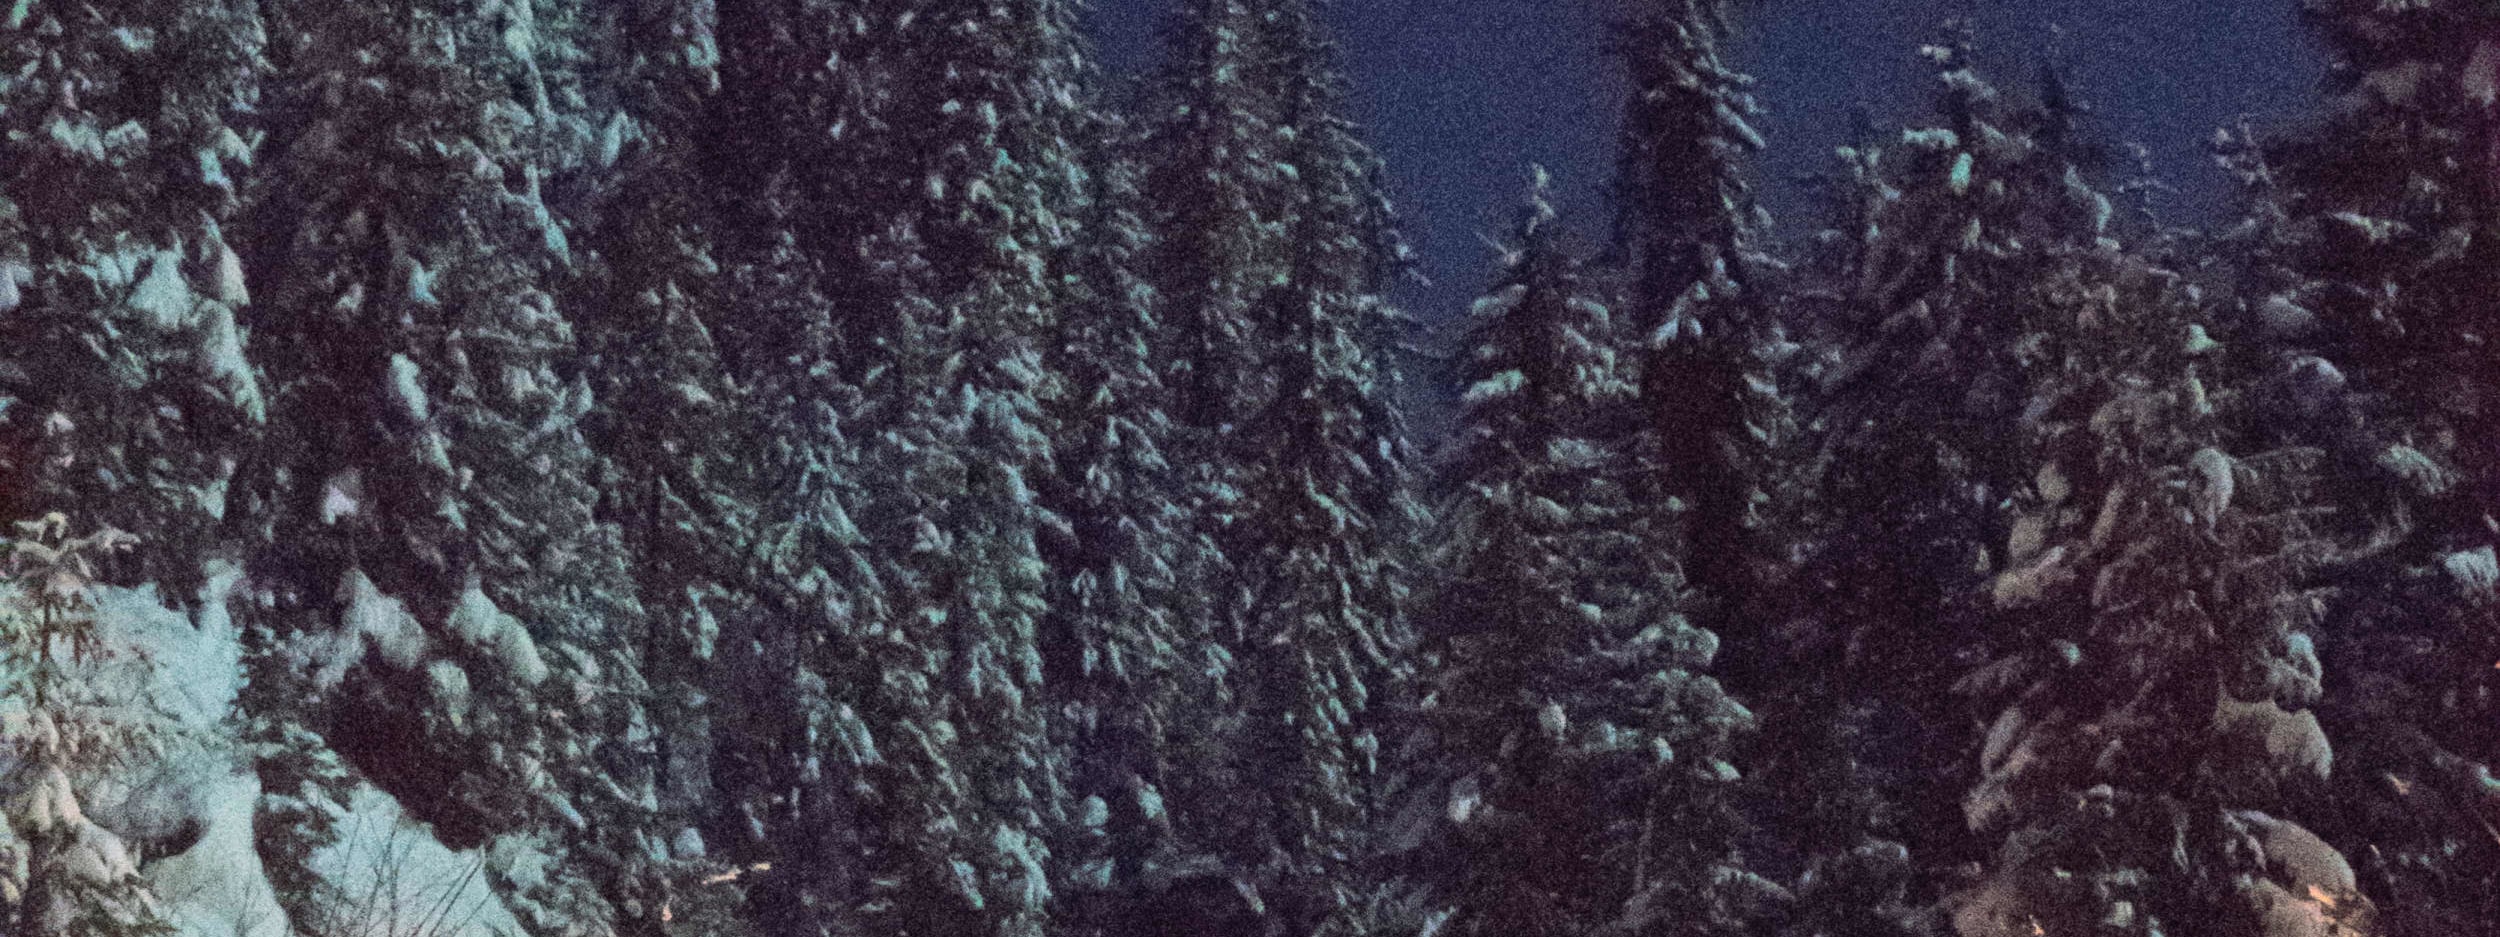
(1211, 174)
(65, 873)
(128, 398)
(2376, 322)
(1209, 152)
(671, 426)
(800, 683)
(1121, 629)
(1550, 745)
(1709, 411)
(980, 115)
(824, 743)
(1710, 440)
(2154, 751)
(1272, 248)
(1958, 222)
(925, 167)
(1211, 190)
(1319, 531)
(428, 489)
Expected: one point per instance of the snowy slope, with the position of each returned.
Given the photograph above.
(201, 794)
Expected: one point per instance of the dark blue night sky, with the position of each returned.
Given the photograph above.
(1461, 95)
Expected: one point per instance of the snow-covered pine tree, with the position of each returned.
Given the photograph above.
(1208, 147)
(1818, 766)
(2397, 187)
(128, 397)
(427, 491)
(1121, 634)
(1937, 289)
(60, 872)
(1320, 537)
(977, 105)
(1710, 411)
(929, 174)
(1523, 822)
(830, 749)
(676, 437)
(2152, 756)
(1709, 416)
(814, 692)
(2379, 331)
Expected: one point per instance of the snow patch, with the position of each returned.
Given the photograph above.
(187, 670)
(371, 617)
(342, 495)
(402, 880)
(221, 354)
(163, 300)
(449, 686)
(218, 888)
(408, 389)
(1498, 386)
(2476, 571)
(478, 622)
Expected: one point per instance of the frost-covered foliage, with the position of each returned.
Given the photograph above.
(1950, 276)
(1124, 626)
(128, 395)
(1697, 312)
(65, 873)
(2155, 668)
(816, 467)
(414, 348)
(2376, 222)
(1317, 536)
(1568, 719)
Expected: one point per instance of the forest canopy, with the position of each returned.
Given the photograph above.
(800, 468)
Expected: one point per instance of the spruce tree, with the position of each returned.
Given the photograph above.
(828, 752)
(1121, 629)
(2376, 321)
(1210, 188)
(66, 874)
(1709, 411)
(1318, 534)
(1547, 745)
(1272, 251)
(1936, 285)
(980, 114)
(1210, 155)
(129, 397)
(922, 162)
(672, 429)
(2152, 754)
(428, 488)
(1711, 442)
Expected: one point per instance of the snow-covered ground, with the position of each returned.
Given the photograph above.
(394, 876)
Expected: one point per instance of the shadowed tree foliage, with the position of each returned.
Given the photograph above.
(1122, 632)
(1953, 228)
(1576, 755)
(426, 476)
(817, 468)
(128, 396)
(2377, 319)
